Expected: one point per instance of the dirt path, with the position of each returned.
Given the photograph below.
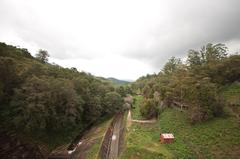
(130, 120)
(145, 121)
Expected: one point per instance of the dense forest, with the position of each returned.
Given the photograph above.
(202, 85)
(46, 101)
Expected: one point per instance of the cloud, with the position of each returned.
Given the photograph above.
(190, 25)
(123, 68)
(143, 32)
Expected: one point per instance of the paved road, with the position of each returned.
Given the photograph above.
(115, 139)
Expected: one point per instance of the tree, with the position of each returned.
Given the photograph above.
(212, 53)
(36, 96)
(228, 71)
(92, 109)
(194, 59)
(147, 91)
(42, 56)
(128, 90)
(46, 104)
(194, 85)
(149, 109)
(172, 65)
(121, 91)
(204, 101)
(113, 102)
(74, 69)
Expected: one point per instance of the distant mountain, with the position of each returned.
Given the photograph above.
(117, 81)
(114, 81)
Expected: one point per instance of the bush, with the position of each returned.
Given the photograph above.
(148, 109)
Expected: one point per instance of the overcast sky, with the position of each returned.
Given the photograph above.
(124, 39)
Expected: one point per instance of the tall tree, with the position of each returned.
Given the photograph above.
(212, 53)
(42, 56)
(113, 102)
(172, 65)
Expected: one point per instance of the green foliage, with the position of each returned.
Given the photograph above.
(232, 94)
(194, 85)
(14, 52)
(172, 65)
(227, 71)
(128, 90)
(112, 102)
(205, 103)
(117, 82)
(42, 56)
(8, 79)
(48, 104)
(136, 114)
(143, 143)
(121, 91)
(212, 53)
(149, 109)
(124, 90)
(39, 99)
(218, 138)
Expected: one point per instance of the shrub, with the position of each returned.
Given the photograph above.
(148, 109)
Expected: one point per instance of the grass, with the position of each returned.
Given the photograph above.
(97, 135)
(143, 143)
(218, 138)
(93, 151)
(232, 93)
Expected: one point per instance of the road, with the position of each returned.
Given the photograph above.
(111, 145)
(113, 154)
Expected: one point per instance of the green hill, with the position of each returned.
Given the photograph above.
(114, 81)
(218, 138)
(197, 100)
(117, 81)
(48, 103)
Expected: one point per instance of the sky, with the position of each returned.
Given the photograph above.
(124, 39)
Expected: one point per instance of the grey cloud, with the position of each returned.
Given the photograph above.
(191, 25)
(184, 25)
(25, 23)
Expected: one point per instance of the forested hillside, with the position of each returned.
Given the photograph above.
(203, 85)
(197, 100)
(47, 102)
(118, 82)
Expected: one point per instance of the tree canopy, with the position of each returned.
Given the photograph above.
(194, 85)
(42, 56)
(36, 96)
